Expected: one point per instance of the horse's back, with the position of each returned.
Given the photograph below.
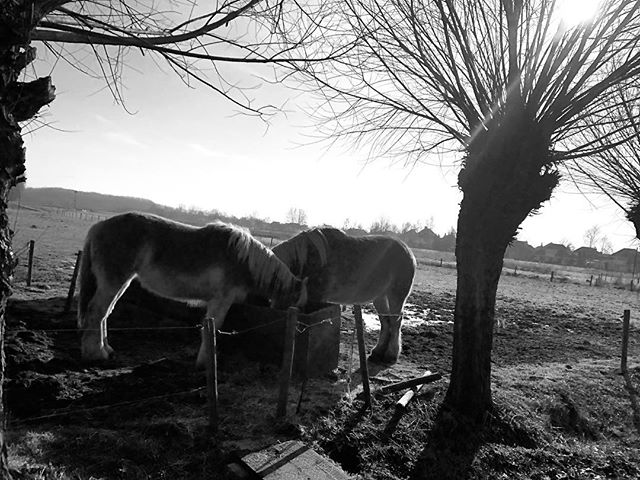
(134, 241)
(359, 269)
(377, 255)
(115, 243)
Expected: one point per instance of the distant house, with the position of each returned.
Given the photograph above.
(587, 257)
(425, 238)
(554, 253)
(623, 260)
(519, 250)
(447, 243)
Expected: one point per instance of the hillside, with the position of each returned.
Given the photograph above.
(53, 197)
(72, 199)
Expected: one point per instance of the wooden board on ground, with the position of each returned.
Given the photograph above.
(292, 460)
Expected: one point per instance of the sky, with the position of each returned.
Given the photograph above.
(180, 145)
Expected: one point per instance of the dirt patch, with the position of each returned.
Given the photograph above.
(561, 410)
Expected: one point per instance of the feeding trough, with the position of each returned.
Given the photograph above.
(259, 332)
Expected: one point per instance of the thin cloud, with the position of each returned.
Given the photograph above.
(206, 151)
(103, 120)
(126, 139)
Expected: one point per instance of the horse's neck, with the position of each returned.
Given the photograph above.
(273, 278)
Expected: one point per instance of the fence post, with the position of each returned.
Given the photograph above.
(625, 341)
(72, 286)
(552, 275)
(32, 245)
(212, 372)
(364, 369)
(591, 281)
(287, 360)
(440, 262)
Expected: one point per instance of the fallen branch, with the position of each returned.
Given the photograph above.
(428, 377)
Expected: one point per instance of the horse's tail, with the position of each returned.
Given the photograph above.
(87, 283)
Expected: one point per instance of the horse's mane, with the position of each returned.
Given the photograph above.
(265, 267)
(295, 251)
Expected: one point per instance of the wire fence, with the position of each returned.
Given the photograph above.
(67, 411)
(300, 329)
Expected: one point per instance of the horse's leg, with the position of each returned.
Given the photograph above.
(94, 344)
(112, 305)
(378, 354)
(216, 309)
(389, 345)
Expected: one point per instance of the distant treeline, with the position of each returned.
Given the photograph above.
(100, 203)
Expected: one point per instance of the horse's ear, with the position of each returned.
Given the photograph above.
(302, 299)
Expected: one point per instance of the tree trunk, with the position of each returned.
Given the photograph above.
(504, 178)
(19, 101)
(6, 272)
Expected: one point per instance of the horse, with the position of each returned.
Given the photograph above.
(354, 270)
(214, 266)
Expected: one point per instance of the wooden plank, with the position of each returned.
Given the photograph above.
(293, 460)
(409, 394)
(394, 387)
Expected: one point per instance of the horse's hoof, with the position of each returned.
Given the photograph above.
(382, 359)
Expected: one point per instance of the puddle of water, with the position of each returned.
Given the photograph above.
(412, 318)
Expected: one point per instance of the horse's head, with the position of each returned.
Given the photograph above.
(296, 297)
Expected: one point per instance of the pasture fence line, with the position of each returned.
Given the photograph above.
(293, 328)
(80, 214)
(21, 250)
(72, 285)
(67, 411)
(303, 327)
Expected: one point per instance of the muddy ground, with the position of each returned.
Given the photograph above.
(562, 411)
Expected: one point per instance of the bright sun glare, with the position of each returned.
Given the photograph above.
(575, 12)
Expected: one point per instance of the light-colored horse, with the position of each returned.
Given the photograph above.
(354, 270)
(215, 266)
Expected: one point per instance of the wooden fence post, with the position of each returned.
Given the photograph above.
(364, 369)
(72, 286)
(591, 281)
(212, 372)
(287, 360)
(552, 275)
(32, 245)
(625, 341)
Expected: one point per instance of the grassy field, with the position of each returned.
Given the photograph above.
(561, 409)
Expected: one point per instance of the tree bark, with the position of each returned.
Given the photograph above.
(506, 176)
(18, 102)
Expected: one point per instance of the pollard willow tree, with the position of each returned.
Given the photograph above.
(614, 169)
(182, 32)
(510, 84)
